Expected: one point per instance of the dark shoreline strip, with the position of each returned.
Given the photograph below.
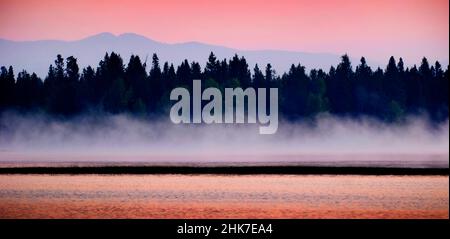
(237, 170)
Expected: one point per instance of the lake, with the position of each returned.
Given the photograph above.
(223, 196)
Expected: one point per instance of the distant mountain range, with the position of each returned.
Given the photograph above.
(36, 56)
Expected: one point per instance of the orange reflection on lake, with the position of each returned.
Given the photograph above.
(223, 196)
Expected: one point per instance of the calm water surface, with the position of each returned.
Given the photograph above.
(225, 196)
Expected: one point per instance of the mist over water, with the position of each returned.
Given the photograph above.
(123, 138)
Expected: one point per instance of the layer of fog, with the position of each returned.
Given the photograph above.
(128, 139)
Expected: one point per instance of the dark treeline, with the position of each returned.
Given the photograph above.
(388, 94)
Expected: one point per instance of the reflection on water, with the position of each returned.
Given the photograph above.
(228, 196)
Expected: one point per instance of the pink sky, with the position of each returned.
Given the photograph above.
(376, 29)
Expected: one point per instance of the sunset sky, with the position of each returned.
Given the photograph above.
(376, 29)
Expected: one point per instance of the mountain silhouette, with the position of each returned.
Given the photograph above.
(36, 56)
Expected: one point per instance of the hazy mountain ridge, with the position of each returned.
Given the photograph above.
(36, 56)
